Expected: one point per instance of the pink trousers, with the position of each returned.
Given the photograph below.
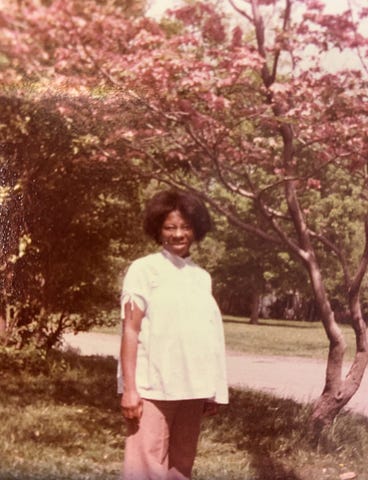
(163, 444)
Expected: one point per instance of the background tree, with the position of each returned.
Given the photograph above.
(67, 222)
(250, 279)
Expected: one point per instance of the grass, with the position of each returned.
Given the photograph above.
(61, 420)
(275, 337)
(282, 337)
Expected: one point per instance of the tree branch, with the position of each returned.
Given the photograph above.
(284, 29)
(239, 10)
(260, 36)
(357, 46)
(230, 215)
(337, 251)
(362, 268)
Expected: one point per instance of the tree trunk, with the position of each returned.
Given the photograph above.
(337, 391)
(2, 328)
(255, 302)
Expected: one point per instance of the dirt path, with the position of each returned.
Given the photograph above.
(290, 377)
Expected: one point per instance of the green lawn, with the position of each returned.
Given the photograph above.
(60, 420)
(282, 337)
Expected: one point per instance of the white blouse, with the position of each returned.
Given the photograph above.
(181, 349)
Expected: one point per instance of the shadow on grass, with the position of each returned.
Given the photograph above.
(64, 379)
(65, 405)
(266, 429)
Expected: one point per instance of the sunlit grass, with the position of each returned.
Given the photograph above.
(61, 421)
(282, 337)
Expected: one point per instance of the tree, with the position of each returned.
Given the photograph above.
(58, 265)
(66, 219)
(247, 110)
(289, 162)
(301, 160)
(253, 129)
(246, 273)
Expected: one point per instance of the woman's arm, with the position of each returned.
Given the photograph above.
(131, 401)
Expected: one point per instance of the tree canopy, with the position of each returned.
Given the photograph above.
(64, 219)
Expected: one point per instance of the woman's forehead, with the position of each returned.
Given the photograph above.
(176, 216)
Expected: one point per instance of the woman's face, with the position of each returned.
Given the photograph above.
(177, 234)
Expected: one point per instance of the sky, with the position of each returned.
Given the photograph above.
(158, 7)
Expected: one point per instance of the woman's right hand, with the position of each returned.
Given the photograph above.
(132, 405)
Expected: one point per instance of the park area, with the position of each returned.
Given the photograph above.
(258, 109)
(62, 420)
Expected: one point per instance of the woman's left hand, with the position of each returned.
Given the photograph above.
(210, 409)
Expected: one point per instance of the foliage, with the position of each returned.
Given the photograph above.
(248, 268)
(64, 214)
(195, 98)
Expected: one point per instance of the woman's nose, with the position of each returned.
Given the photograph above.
(179, 232)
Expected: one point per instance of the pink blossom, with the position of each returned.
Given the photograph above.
(313, 183)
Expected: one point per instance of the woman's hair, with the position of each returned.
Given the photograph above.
(190, 206)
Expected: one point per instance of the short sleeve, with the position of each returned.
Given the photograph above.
(135, 287)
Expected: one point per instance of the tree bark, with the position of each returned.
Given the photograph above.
(255, 302)
(338, 392)
(2, 329)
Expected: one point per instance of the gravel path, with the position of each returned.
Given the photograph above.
(290, 377)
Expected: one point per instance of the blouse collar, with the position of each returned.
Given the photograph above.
(176, 260)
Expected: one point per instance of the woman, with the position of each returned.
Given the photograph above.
(172, 350)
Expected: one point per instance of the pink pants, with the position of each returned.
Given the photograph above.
(162, 446)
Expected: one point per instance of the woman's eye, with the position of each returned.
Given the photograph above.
(173, 229)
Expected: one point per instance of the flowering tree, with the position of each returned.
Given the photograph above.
(56, 262)
(244, 115)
